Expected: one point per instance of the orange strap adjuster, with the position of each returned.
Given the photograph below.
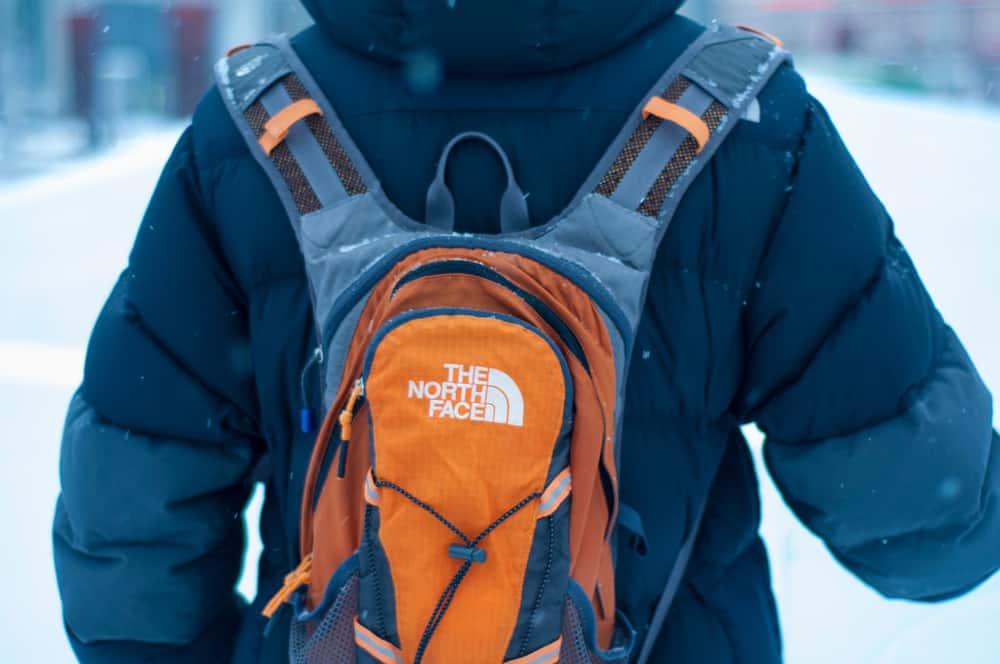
(665, 110)
(760, 33)
(276, 129)
(300, 576)
(236, 49)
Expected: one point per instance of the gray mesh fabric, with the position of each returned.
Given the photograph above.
(329, 639)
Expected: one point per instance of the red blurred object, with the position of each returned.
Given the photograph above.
(191, 37)
(83, 49)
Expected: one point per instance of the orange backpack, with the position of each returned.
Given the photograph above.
(461, 499)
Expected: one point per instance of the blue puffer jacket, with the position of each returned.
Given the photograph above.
(780, 296)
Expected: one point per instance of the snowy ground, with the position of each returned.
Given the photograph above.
(66, 236)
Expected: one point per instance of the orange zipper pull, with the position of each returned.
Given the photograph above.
(294, 580)
(346, 422)
(347, 415)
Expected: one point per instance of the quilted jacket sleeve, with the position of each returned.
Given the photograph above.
(879, 429)
(157, 448)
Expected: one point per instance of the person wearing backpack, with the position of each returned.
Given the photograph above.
(483, 292)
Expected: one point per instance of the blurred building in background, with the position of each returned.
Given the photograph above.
(947, 46)
(76, 73)
(111, 63)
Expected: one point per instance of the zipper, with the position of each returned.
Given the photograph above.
(473, 268)
(347, 423)
(335, 445)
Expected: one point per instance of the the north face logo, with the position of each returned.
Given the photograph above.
(474, 393)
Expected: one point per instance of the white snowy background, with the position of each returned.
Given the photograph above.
(65, 236)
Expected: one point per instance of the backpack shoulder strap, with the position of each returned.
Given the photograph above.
(687, 116)
(290, 128)
(670, 139)
(621, 214)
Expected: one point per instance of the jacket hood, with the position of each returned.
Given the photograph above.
(487, 36)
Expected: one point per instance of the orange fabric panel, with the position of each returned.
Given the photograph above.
(589, 510)
(680, 116)
(436, 437)
(465, 291)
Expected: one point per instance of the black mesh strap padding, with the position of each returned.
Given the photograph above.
(637, 141)
(679, 163)
(302, 192)
(676, 165)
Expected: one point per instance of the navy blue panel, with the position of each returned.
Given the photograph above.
(546, 582)
(377, 599)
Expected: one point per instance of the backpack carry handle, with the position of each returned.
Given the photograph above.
(440, 211)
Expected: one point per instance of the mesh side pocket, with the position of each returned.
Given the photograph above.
(578, 640)
(574, 643)
(327, 638)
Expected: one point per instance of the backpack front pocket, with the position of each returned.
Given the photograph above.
(465, 553)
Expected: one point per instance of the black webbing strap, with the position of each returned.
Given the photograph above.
(672, 586)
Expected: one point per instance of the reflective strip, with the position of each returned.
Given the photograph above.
(371, 491)
(320, 173)
(658, 151)
(383, 651)
(545, 655)
(557, 492)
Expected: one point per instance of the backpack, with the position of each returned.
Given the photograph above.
(461, 499)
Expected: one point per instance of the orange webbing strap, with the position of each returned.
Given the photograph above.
(300, 576)
(236, 49)
(670, 112)
(380, 649)
(760, 33)
(276, 128)
(545, 655)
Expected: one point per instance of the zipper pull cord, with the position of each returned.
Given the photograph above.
(347, 424)
(306, 413)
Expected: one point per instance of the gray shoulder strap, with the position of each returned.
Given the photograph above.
(290, 127)
(682, 123)
(670, 139)
(625, 207)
